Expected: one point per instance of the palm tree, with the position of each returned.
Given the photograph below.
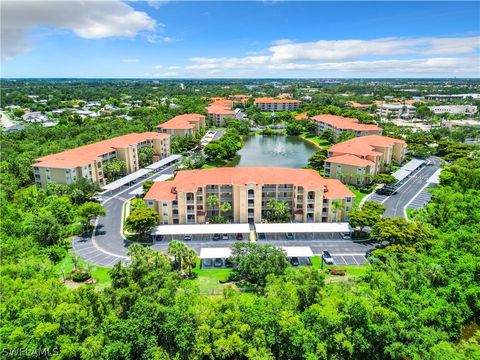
(212, 201)
(336, 205)
(225, 207)
(177, 249)
(190, 259)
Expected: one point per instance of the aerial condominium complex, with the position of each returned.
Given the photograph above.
(219, 110)
(340, 124)
(183, 125)
(271, 104)
(187, 199)
(87, 161)
(357, 160)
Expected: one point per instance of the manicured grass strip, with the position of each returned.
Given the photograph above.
(359, 195)
(99, 273)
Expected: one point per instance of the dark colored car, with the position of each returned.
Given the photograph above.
(187, 237)
(228, 263)
(294, 261)
(218, 263)
(327, 258)
(239, 236)
(216, 237)
(261, 236)
(289, 236)
(207, 262)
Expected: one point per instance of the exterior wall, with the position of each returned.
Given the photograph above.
(278, 106)
(321, 126)
(94, 170)
(219, 119)
(248, 202)
(355, 175)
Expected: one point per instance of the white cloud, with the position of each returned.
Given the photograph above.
(392, 55)
(87, 19)
(130, 61)
(157, 67)
(174, 67)
(338, 50)
(168, 74)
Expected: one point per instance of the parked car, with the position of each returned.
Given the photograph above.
(261, 236)
(239, 236)
(207, 262)
(216, 237)
(327, 258)
(187, 237)
(228, 263)
(294, 261)
(225, 237)
(370, 257)
(289, 236)
(96, 199)
(345, 236)
(218, 263)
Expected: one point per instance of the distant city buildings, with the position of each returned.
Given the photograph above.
(88, 161)
(454, 109)
(183, 125)
(272, 105)
(355, 161)
(404, 111)
(452, 96)
(185, 199)
(340, 124)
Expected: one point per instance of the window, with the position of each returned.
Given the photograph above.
(164, 204)
(150, 202)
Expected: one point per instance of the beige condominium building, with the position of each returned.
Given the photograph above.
(87, 161)
(272, 105)
(220, 110)
(311, 198)
(340, 124)
(239, 98)
(183, 125)
(357, 160)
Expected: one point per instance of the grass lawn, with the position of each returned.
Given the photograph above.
(411, 213)
(208, 279)
(101, 274)
(359, 195)
(352, 270)
(214, 164)
(324, 144)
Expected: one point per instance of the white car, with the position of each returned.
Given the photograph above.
(345, 236)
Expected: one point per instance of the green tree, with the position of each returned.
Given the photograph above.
(317, 160)
(114, 169)
(146, 186)
(337, 206)
(212, 202)
(253, 262)
(344, 136)
(142, 220)
(368, 215)
(89, 210)
(400, 234)
(278, 211)
(386, 179)
(145, 156)
(294, 129)
(327, 135)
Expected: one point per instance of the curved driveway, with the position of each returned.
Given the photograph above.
(107, 246)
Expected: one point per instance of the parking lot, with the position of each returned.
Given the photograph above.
(297, 236)
(350, 259)
(201, 237)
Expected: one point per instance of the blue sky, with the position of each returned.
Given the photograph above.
(177, 39)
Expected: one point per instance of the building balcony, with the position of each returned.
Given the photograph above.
(190, 202)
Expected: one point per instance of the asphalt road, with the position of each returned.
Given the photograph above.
(107, 246)
(395, 204)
